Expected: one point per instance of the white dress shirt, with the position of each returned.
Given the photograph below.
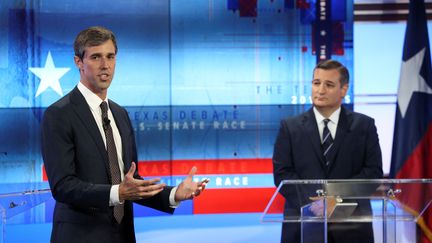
(332, 124)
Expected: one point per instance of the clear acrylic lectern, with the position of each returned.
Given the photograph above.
(329, 202)
(16, 198)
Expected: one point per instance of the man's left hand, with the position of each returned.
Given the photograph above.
(188, 189)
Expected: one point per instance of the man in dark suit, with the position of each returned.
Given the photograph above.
(305, 148)
(89, 152)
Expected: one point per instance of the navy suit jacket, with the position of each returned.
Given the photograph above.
(77, 166)
(356, 153)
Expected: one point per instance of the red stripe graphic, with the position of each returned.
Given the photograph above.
(44, 174)
(241, 200)
(209, 166)
(205, 167)
(233, 200)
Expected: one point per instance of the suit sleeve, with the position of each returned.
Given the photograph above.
(283, 166)
(284, 169)
(372, 163)
(59, 154)
(159, 201)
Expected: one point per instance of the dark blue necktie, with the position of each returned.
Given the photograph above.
(327, 143)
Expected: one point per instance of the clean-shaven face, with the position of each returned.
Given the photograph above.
(327, 92)
(97, 67)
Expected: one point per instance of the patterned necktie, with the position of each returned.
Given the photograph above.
(327, 143)
(112, 157)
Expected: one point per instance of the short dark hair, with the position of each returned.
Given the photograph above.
(333, 64)
(92, 36)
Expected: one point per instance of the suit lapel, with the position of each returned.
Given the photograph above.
(311, 129)
(345, 120)
(82, 109)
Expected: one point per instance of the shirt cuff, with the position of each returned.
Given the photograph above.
(114, 196)
(173, 203)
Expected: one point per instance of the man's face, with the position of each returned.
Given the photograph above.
(97, 67)
(327, 92)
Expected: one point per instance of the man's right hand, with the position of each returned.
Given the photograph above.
(134, 189)
(317, 206)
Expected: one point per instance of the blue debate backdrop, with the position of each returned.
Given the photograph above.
(204, 82)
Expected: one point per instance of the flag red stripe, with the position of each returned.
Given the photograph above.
(419, 165)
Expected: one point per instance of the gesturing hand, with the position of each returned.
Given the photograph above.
(135, 189)
(189, 189)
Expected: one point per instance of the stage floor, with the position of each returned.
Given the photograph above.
(207, 228)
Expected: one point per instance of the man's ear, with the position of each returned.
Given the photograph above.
(78, 62)
(344, 89)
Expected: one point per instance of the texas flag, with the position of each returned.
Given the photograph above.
(412, 142)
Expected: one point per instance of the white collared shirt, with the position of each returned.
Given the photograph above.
(332, 124)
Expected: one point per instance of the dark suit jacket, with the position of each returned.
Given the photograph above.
(76, 163)
(356, 153)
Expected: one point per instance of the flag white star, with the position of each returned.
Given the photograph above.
(411, 81)
(49, 76)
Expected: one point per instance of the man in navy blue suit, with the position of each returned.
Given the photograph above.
(300, 150)
(89, 151)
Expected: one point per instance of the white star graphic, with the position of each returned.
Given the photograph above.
(49, 76)
(411, 81)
